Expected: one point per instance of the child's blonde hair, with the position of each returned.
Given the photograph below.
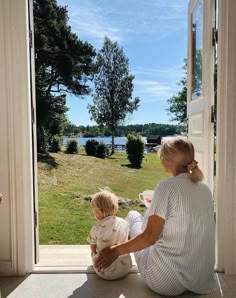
(106, 202)
(180, 151)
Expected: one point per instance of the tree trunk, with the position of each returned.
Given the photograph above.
(112, 127)
(113, 141)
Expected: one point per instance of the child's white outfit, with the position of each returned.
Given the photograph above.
(109, 231)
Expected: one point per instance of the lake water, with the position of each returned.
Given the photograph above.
(106, 140)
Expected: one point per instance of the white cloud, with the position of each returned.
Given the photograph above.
(150, 91)
(171, 73)
(90, 23)
(92, 20)
(163, 87)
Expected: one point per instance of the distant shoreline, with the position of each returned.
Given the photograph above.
(106, 140)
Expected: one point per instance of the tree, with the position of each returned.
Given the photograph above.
(178, 103)
(63, 64)
(112, 100)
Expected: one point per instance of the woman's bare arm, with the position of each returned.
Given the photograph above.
(145, 239)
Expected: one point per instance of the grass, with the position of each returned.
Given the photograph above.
(65, 180)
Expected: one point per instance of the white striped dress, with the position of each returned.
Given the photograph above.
(183, 257)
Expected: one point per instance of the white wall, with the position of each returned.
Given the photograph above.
(5, 244)
(226, 139)
(16, 180)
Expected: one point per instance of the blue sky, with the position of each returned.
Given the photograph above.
(153, 35)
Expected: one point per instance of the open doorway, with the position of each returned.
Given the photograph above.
(17, 167)
(200, 129)
(76, 194)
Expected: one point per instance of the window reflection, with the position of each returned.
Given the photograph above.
(197, 42)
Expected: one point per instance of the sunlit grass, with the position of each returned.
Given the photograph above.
(66, 180)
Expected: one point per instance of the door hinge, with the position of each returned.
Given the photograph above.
(30, 39)
(35, 219)
(214, 36)
(213, 114)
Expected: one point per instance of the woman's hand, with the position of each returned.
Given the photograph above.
(106, 257)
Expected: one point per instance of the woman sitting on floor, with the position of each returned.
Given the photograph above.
(174, 243)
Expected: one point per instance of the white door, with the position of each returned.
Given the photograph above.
(201, 84)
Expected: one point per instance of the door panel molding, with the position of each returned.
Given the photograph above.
(196, 125)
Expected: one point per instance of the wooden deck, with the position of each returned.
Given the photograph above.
(116, 146)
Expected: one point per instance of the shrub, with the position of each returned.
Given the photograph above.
(72, 146)
(56, 144)
(101, 150)
(135, 150)
(91, 147)
(42, 140)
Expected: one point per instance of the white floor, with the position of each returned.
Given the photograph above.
(65, 271)
(91, 286)
(66, 255)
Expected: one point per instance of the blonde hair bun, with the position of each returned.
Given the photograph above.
(180, 151)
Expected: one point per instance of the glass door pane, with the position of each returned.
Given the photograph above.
(197, 47)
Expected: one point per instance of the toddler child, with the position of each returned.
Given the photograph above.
(109, 230)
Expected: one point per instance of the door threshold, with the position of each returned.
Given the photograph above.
(63, 269)
(71, 269)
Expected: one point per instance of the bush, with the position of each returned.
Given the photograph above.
(91, 147)
(56, 144)
(101, 150)
(135, 150)
(72, 146)
(42, 140)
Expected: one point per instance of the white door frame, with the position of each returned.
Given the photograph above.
(16, 94)
(34, 132)
(17, 89)
(226, 140)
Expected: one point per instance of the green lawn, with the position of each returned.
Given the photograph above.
(65, 181)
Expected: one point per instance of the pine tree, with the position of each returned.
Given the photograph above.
(63, 64)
